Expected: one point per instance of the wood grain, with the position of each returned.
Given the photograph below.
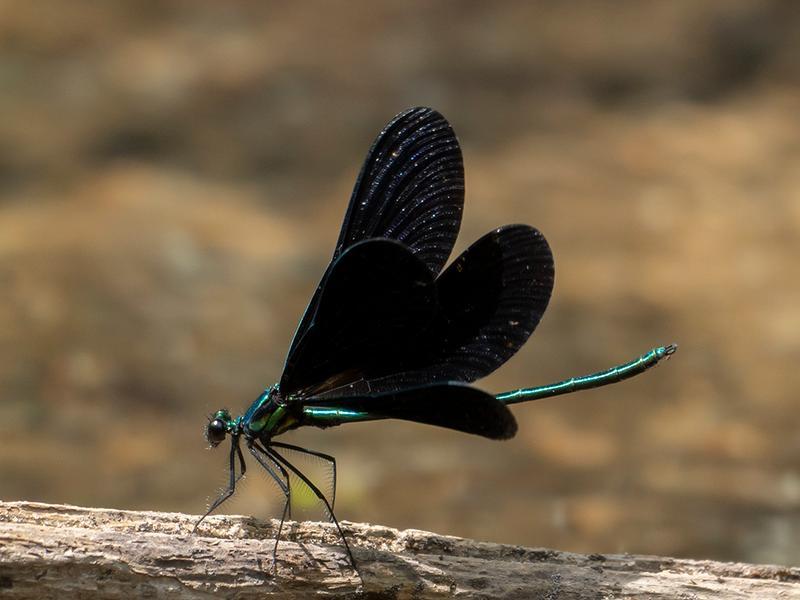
(57, 551)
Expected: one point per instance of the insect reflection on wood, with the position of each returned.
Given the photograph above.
(389, 334)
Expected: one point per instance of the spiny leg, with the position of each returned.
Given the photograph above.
(235, 450)
(256, 450)
(274, 454)
(327, 457)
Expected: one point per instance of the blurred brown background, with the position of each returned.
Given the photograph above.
(172, 179)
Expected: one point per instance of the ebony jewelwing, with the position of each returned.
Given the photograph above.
(388, 334)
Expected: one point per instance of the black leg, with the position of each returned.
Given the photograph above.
(256, 450)
(235, 450)
(327, 457)
(277, 457)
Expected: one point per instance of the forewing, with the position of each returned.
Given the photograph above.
(374, 301)
(490, 299)
(410, 189)
(451, 405)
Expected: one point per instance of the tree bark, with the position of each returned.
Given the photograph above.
(56, 551)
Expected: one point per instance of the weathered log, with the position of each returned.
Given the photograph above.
(55, 551)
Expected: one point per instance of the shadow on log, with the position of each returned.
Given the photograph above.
(55, 551)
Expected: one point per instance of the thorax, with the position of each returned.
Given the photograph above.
(268, 416)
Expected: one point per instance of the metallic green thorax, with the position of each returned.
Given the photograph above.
(269, 421)
(268, 416)
(594, 380)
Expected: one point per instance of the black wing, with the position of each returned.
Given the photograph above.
(451, 405)
(410, 189)
(375, 300)
(383, 325)
(489, 301)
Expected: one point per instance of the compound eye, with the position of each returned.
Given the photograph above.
(215, 432)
